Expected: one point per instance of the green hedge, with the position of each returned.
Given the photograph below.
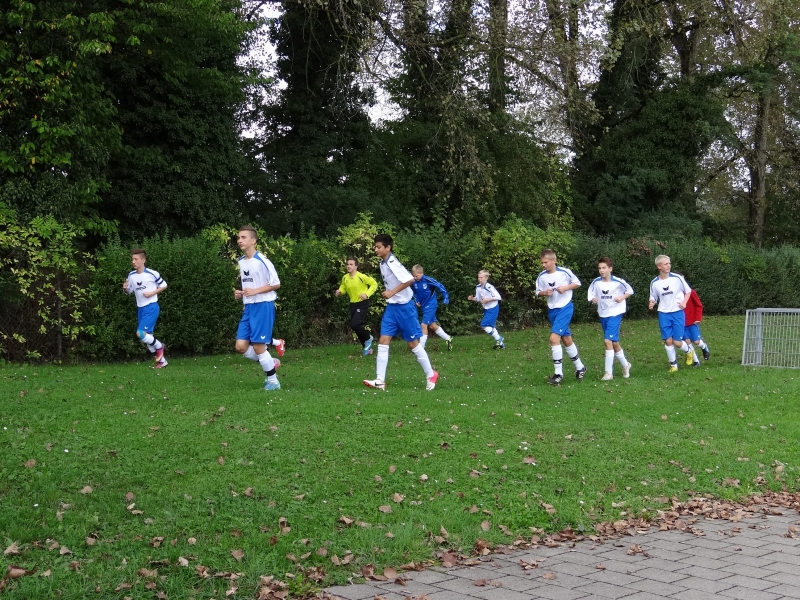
(199, 314)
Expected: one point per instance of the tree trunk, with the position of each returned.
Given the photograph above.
(757, 200)
(565, 29)
(498, 36)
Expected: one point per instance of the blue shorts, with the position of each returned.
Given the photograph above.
(147, 317)
(401, 320)
(257, 322)
(672, 324)
(429, 313)
(490, 316)
(560, 318)
(610, 327)
(692, 332)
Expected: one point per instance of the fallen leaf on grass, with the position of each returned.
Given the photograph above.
(147, 573)
(11, 550)
(221, 460)
(237, 554)
(385, 509)
(182, 562)
(86, 490)
(398, 497)
(156, 542)
(248, 492)
(486, 525)
(529, 460)
(392, 468)
(29, 464)
(64, 550)
(191, 541)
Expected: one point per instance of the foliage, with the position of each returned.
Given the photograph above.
(45, 304)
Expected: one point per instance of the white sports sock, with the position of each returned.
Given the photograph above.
(572, 352)
(622, 358)
(609, 364)
(671, 356)
(684, 347)
(495, 334)
(158, 345)
(250, 353)
(383, 361)
(275, 341)
(702, 345)
(423, 360)
(423, 340)
(558, 355)
(148, 339)
(442, 333)
(268, 364)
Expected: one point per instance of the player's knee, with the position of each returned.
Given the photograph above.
(141, 334)
(488, 330)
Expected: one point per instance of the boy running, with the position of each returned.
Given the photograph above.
(557, 284)
(259, 283)
(359, 287)
(424, 289)
(671, 292)
(400, 316)
(489, 298)
(146, 284)
(610, 294)
(693, 314)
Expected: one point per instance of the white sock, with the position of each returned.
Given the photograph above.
(275, 341)
(684, 347)
(495, 334)
(442, 333)
(423, 340)
(671, 357)
(250, 353)
(702, 345)
(558, 355)
(158, 345)
(423, 360)
(268, 364)
(383, 361)
(609, 364)
(572, 352)
(621, 358)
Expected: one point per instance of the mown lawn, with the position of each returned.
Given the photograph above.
(114, 476)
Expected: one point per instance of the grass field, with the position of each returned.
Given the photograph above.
(118, 480)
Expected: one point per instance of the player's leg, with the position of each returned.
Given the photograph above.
(410, 330)
(389, 329)
(262, 320)
(608, 363)
(242, 345)
(560, 325)
(488, 324)
(147, 317)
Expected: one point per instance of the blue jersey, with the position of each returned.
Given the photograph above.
(425, 292)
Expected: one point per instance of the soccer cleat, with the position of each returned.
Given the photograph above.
(450, 343)
(607, 376)
(555, 379)
(161, 364)
(696, 364)
(375, 383)
(280, 347)
(159, 355)
(499, 345)
(673, 367)
(706, 353)
(367, 347)
(580, 374)
(270, 386)
(432, 381)
(626, 371)
(689, 358)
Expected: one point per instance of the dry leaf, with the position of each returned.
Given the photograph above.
(191, 541)
(221, 460)
(385, 508)
(549, 576)
(11, 550)
(486, 525)
(237, 554)
(86, 490)
(480, 582)
(129, 496)
(29, 464)
(398, 497)
(182, 562)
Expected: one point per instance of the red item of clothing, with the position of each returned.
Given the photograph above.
(694, 309)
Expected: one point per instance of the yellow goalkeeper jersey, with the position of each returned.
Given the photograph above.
(355, 286)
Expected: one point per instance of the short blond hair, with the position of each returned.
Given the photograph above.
(417, 269)
(548, 253)
(661, 258)
(484, 272)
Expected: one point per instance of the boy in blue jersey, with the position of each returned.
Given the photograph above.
(259, 284)
(400, 316)
(557, 283)
(489, 298)
(146, 284)
(671, 292)
(610, 294)
(424, 289)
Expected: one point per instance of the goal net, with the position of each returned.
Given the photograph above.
(772, 338)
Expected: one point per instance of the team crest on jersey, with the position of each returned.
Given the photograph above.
(138, 283)
(247, 273)
(552, 284)
(605, 291)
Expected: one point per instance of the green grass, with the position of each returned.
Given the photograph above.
(325, 447)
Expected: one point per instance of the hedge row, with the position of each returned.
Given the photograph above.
(199, 313)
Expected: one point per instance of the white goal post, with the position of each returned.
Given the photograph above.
(772, 338)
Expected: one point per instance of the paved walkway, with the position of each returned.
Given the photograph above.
(754, 559)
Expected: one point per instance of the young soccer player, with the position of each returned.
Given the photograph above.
(693, 314)
(424, 289)
(146, 284)
(489, 298)
(400, 316)
(557, 284)
(610, 294)
(671, 292)
(359, 287)
(259, 283)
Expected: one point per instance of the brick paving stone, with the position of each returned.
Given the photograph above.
(428, 576)
(411, 588)
(704, 573)
(658, 588)
(705, 563)
(354, 592)
(644, 596)
(783, 557)
(521, 584)
(502, 594)
(718, 553)
(464, 586)
(661, 575)
(787, 591)
(565, 580)
(743, 593)
(448, 595)
(555, 592)
(618, 566)
(751, 550)
(748, 571)
(612, 577)
(748, 582)
(787, 578)
(605, 590)
(706, 586)
(572, 568)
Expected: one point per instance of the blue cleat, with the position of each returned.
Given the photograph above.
(367, 347)
(269, 386)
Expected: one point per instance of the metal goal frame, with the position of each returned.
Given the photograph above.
(772, 338)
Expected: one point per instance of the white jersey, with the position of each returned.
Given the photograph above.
(487, 290)
(394, 274)
(605, 292)
(139, 283)
(257, 272)
(669, 292)
(550, 281)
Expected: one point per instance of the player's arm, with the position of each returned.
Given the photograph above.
(542, 290)
(389, 293)
(653, 299)
(591, 294)
(443, 290)
(126, 285)
(372, 285)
